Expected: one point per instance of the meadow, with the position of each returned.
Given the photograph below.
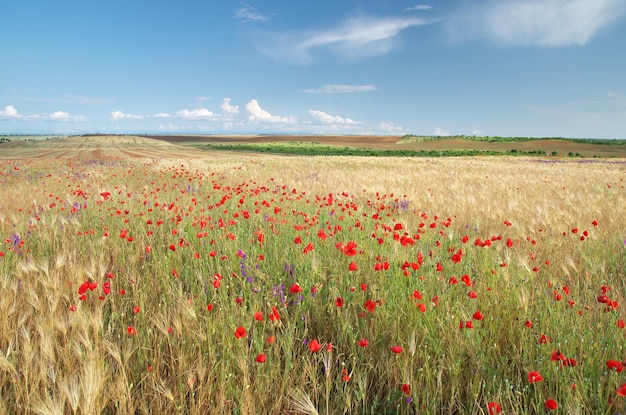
(140, 276)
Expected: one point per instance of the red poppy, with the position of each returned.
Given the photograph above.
(261, 358)
(240, 332)
(528, 324)
(396, 349)
(353, 266)
(621, 324)
(258, 316)
(478, 315)
(494, 408)
(406, 388)
(370, 305)
(621, 391)
(615, 365)
(131, 330)
(274, 316)
(534, 377)
(364, 343)
(315, 346)
(339, 302)
(551, 404)
(295, 288)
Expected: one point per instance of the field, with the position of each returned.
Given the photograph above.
(145, 276)
(407, 145)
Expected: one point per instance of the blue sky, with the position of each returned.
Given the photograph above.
(475, 67)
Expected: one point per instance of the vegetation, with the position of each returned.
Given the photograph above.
(410, 138)
(180, 282)
(316, 149)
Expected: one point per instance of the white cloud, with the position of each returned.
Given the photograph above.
(259, 114)
(119, 115)
(548, 23)
(9, 113)
(229, 109)
(160, 115)
(419, 7)
(389, 128)
(248, 13)
(197, 114)
(477, 132)
(63, 116)
(325, 118)
(439, 131)
(352, 39)
(334, 89)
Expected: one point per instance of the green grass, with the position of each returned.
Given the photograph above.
(317, 149)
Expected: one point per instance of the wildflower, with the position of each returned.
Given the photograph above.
(295, 288)
(131, 330)
(363, 343)
(258, 316)
(621, 391)
(534, 377)
(396, 349)
(478, 315)
(339, 302)
(261, 358)
(551, 404)
(315, 346)
(406, 388)
(240, 332)
(494, 408)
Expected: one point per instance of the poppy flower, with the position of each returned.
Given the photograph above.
(261, 358)
(396, 349)
(534, 377)
(363, 343)
(621, 391)
(131, 330)
(240, 332)
(551, 404)
(406, 388)
(370, 305)
(295, 288)
(494, 408)
(315, 346)
(339, 302)
(274, 316)
(353, 267)
(615, 365)
(478, 315)
(258, 316)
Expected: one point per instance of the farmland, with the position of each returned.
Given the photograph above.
(142, 275)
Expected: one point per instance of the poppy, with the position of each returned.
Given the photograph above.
(370, 305)
(339, 302)
(406, 388)
(621, 391)
(274, 316)
(131, 330)
(315, 346)
(240, 332)
(551, 404)
(615, 365)
(396, 349)
(353, 267)
(295, 288)
(258, 316)
(478, 315)
(494, 408)
(261, 358)
(534, 377)
(363, 343)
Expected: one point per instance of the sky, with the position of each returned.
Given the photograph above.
(533, 68)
